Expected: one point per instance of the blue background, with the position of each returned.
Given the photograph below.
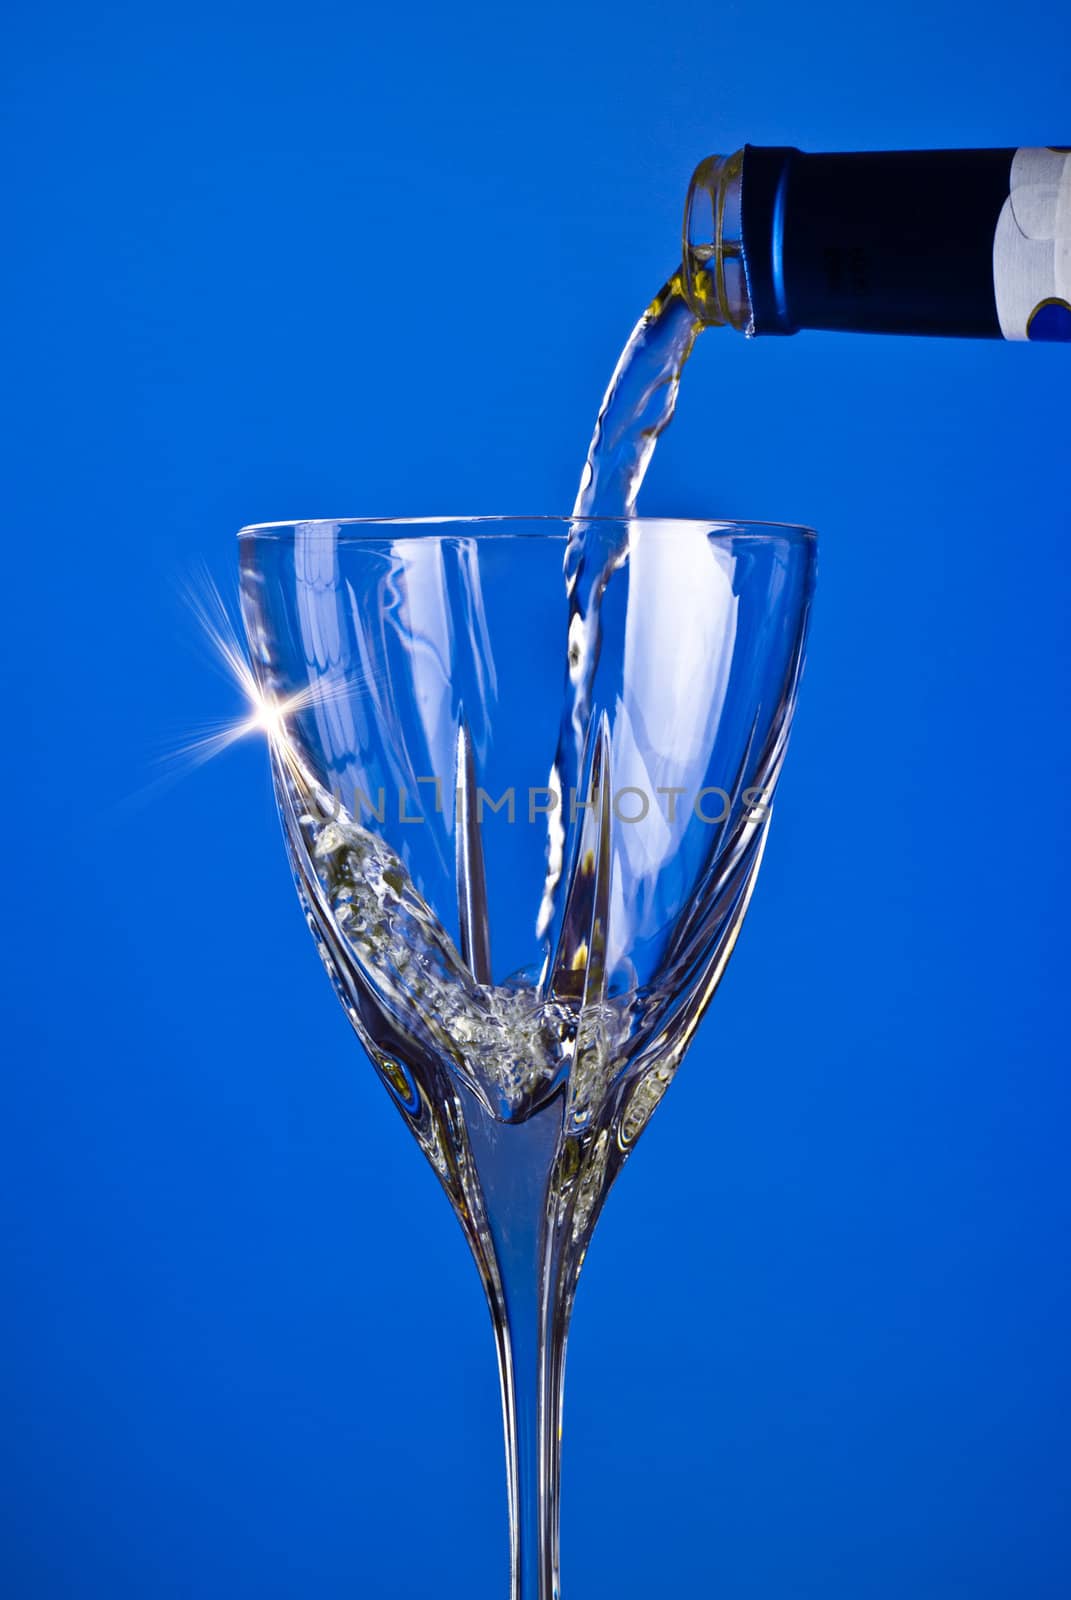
(295, 261)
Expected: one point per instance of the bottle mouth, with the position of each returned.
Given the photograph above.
(714, 277)
(700, 241)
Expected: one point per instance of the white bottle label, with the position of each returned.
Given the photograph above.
(1032, 248)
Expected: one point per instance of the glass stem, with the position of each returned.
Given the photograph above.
(530, 1290)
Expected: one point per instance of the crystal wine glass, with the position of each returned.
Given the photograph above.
(525, 857)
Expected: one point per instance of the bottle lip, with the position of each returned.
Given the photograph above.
(699, 240)
(714, 272)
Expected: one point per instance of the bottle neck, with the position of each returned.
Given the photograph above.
(974, 243)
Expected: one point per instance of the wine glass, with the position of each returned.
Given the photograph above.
(525, 850)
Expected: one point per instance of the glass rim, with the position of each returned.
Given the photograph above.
(495, 525)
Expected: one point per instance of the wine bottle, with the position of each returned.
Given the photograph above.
(975, 243)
